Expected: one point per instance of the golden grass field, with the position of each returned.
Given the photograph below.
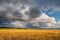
(29, 34)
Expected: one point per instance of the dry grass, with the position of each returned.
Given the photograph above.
(29, 34)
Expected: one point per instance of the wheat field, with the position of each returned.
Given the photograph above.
(29, 34)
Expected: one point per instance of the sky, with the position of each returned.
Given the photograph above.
(30, 13)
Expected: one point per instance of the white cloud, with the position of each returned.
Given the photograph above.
(45, 21)
(45, 18)
(17, 24)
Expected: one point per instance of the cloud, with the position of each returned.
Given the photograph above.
(15, 12)
(17, 24)
(26, 14)
(2, 8)
(45, 18)
(19, 11)
(43, 21)
(47, 4)
(34, 12)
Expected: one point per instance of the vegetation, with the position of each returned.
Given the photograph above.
(29, 34)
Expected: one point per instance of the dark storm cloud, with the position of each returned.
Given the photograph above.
(34, 12)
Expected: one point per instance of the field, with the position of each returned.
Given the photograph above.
(29, 34)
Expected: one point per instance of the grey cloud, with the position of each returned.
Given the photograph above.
(17, 13)
(34, 12)
(22, 11)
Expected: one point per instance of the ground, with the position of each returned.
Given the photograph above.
(29, 34)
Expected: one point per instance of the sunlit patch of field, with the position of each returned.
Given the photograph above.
(29, 34)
